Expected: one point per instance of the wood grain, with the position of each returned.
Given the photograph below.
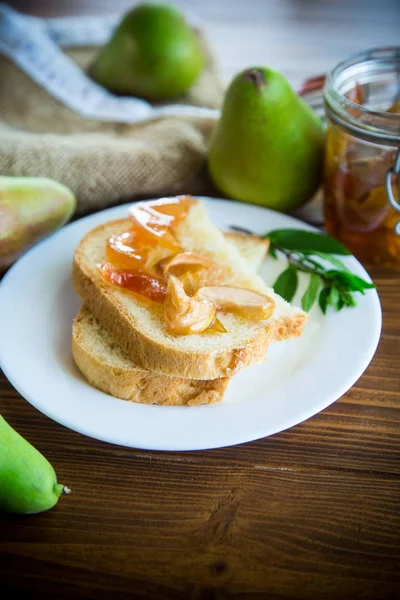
(310, 513)
(170, 541)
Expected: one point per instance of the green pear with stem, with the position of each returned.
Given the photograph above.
(28, 483)
(153, 54)
(268, 145)
(30, 209)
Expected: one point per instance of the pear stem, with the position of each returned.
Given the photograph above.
(59, 489)
(256, 76)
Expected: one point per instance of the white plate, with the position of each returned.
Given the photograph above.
(299, 378)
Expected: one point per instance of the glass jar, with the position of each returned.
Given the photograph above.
(362, 162)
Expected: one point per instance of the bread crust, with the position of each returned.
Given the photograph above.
(135, 384)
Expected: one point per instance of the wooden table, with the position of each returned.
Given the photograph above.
(310, 513)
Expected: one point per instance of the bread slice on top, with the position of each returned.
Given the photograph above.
(106, 366)
(138, 324)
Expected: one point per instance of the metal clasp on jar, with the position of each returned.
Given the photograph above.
(394, 170)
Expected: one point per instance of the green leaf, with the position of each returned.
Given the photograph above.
(349, 281)
(306, 241)
(311, 293)
(334, 260)
(286, 284)
(347, 299)
(272, 252)
(333, 297)
(323, 299)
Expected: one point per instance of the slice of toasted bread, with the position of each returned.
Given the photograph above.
(106, 366)
(139, 326)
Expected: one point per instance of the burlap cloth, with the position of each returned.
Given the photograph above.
(104, 163)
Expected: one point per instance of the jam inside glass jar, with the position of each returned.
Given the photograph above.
(362, 103)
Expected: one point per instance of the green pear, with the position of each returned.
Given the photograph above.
(30, 209)
(153, 54)
(28, 483)
(268, 146)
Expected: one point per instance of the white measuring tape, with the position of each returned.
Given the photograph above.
(34, 45)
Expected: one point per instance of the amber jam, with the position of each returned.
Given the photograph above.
(142, 283)
(149, 260)
(151, 234)
(363, 137)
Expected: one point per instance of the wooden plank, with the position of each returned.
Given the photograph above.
(176, 530)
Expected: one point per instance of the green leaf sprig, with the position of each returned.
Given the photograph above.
(304, 251)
